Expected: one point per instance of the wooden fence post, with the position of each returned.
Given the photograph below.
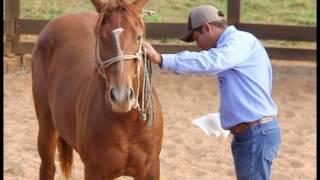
(12, 12)
(234, 11)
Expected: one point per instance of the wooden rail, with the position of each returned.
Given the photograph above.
(280, 32)
(173, 30)
(14, 27)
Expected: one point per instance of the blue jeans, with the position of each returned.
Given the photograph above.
(254, 150)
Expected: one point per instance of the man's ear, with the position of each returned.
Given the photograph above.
(207, 27)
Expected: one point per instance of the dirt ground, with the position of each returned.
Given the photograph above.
(187, 152)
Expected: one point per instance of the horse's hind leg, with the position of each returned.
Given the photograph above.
(47, 135)
(47, 142)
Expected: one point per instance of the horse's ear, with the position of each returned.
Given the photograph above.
(139, 4)
(97, 4)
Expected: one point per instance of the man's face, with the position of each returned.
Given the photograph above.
(200, 39)
(204, 40)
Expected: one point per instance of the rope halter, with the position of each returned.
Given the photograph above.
(146, 111)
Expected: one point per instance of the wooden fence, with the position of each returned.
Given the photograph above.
(14, 27)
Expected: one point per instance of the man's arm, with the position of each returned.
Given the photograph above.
(213, 61)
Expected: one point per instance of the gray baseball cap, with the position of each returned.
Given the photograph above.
(199, 16)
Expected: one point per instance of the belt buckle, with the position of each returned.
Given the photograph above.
(266, 119)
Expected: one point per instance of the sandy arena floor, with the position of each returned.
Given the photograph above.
(187, 152)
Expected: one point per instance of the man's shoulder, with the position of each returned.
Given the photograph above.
(245, 34)
(239, 37)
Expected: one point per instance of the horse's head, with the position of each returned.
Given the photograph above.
(119, 32)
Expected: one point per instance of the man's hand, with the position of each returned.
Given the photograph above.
(152, 54)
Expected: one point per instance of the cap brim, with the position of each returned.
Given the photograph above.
(187, 36)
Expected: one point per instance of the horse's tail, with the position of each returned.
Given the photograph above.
(65, 157)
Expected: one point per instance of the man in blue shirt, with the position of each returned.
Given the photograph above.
(243, 68)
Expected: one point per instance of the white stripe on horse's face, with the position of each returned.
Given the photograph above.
(117, 32)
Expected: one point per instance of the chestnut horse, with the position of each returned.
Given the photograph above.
(92, 92)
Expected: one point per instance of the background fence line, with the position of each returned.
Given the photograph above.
(14, 27)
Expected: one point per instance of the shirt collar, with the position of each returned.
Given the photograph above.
(229, 30)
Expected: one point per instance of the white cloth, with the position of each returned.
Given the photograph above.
(211, 125)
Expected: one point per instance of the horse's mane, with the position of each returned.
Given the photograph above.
(113, 5)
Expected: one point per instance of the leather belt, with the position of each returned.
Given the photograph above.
(239, 128)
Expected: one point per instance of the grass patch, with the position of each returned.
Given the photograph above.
(287, 12)
(154, 18)
(49, 9)
(166, 10)
(177, 10)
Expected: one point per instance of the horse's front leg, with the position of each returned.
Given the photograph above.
(151, 173)
(92, 173)
(96, 171)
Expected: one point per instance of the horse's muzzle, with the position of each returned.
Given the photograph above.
(122, 99)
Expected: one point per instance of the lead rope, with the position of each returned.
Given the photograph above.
(147, 92)
(146, 110)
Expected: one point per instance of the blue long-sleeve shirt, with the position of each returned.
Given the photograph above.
(244, 71)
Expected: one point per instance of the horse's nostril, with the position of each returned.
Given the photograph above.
(112, 97)
(131, 93)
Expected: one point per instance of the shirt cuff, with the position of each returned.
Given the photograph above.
(168, 62)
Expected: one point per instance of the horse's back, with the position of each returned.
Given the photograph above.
(63, 31)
